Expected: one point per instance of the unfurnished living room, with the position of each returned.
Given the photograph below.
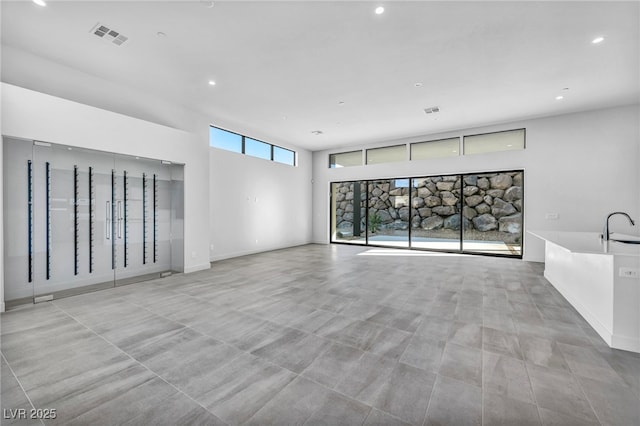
(320, 212)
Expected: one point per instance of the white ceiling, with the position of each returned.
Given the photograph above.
(281, 68)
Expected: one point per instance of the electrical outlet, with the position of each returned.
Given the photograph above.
(628, 272)
(551, 216)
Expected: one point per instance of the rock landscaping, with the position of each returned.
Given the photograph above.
(487, 205)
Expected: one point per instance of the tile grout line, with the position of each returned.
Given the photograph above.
(533, 393)
(482, 393)
(437, 374)
(523, 358)
(242, 351)
(574, 377)
(270, 321)
(20, 384)
(365, 418)
(136, 361)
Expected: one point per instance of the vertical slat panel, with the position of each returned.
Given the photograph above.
(48, 215)
(91, 219)
(75, 220)
(30, 217)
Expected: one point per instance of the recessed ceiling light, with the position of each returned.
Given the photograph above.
(454, 150)
(161, 34)
(379, 10)
(212, 83)
(509, 145)
(559, 98)
(341, 103)
(418, 84)
(40, 2)
(597, 40)
(207, 4)
(317, 132)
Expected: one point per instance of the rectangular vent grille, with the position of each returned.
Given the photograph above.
(108, 34)
(431, 110)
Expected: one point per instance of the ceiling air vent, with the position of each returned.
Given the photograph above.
(431, 110)
(108, 34)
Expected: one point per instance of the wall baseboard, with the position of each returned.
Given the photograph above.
(261, 250)
(196, 268)
(625, 343)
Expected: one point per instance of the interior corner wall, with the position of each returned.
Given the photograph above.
(31, 115)
(257, 205)
(638, 162)
(581, 166)
(2, 222)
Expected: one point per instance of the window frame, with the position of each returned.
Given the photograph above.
(458, 154)
(524, 141)
(345, 152)
(366, 156)
(227, 131)
(294, 162)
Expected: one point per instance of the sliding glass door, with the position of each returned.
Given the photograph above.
(348, 212)
(389, 213)
(436, 201)
(493, 211)
(466, 213)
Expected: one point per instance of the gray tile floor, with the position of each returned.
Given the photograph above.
(321, 335)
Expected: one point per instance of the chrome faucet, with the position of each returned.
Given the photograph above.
(605, 233)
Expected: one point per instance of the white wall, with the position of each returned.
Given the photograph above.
(581, 166)
(258, 205)
(1, 189)
(47, 76)
(1, 215)
(36, 116)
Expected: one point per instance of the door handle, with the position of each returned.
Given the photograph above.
(119, 219)
(108, 221)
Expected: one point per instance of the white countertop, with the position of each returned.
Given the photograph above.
(588, 242)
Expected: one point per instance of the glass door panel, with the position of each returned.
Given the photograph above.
(493, 210)
(142, 218)
(389, 212)
(72, 245)
(435, 217)
(348, 212)
(18, 219)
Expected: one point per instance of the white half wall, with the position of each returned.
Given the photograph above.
(258, 205)
(581, 166)
(31, 115)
